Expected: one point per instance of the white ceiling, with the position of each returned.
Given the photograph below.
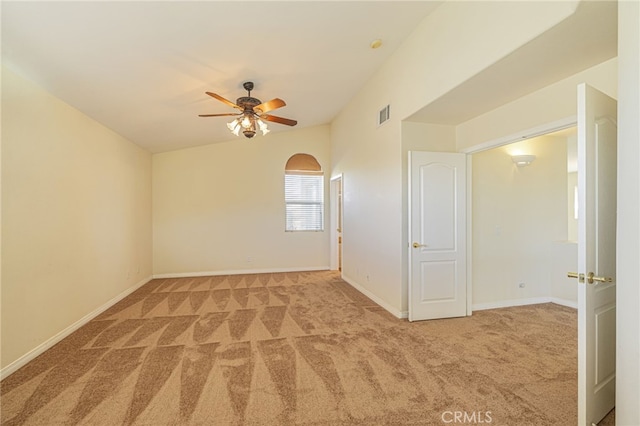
(141, 68)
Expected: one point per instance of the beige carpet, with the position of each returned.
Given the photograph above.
(297, 348)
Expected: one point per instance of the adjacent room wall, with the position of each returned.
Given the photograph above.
(547, 105)
(76, 217)
(419, 137)
(520, 225)
(454, 43)
(511, 122)
(220, 208)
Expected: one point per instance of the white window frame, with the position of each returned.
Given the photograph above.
(311, 223)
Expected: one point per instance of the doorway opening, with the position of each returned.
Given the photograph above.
(524, 222)
(336, 216)
(596, 248)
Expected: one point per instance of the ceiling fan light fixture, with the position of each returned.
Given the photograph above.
(247, 124)
(249, 120)
(263, 127)
(236, 127)
(232, 124)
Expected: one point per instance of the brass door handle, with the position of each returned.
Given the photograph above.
(580, 277)
(590, 278)
(418, 245)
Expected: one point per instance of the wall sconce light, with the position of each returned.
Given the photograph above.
(523, 160)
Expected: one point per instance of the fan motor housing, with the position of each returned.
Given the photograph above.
(248, 102)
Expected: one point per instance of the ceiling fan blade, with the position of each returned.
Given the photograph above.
(269, 105)
(280, 120)
(223, 100)
(218, 115)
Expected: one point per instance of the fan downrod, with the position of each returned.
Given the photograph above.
(248, 102)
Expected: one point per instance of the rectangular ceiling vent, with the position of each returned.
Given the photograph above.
(383, 115)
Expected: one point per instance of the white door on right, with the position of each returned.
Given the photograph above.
(597, 179)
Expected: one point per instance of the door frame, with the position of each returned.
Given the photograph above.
(336, 182)
(521, 135)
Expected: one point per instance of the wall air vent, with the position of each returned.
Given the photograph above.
(383, 115)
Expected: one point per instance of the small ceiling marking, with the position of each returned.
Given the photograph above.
(376, 43)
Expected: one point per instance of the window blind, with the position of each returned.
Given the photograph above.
(304, 198)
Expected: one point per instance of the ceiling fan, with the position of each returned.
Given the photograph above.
(253, 112)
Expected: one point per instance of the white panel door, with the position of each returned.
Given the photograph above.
(437, 235)
(597, 149)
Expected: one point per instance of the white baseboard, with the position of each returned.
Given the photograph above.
(564, 302)
(24, 359)
(396, 313)
(523, 302)
(240, 272)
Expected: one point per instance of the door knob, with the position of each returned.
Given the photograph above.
(418, 245)
(590, 278)
(580, 277)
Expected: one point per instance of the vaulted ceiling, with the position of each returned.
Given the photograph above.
(142, 68)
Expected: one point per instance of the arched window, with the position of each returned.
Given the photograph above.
(304, 194)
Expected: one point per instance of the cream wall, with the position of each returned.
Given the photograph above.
(76, 216)
(220, 208)
(419, 72)
(520, 225)
(628, 238)
(371, 158)
(419, 137)
(456, 42)
(509, 122)
(547, 105)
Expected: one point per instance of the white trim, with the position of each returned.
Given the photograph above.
(333, 220)
(382, 303)
(240, 272)
(532, 132)
(47, 344)
(524, 302)
(409, 236)
(509, 303)
(469, 233)
(564, 302)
